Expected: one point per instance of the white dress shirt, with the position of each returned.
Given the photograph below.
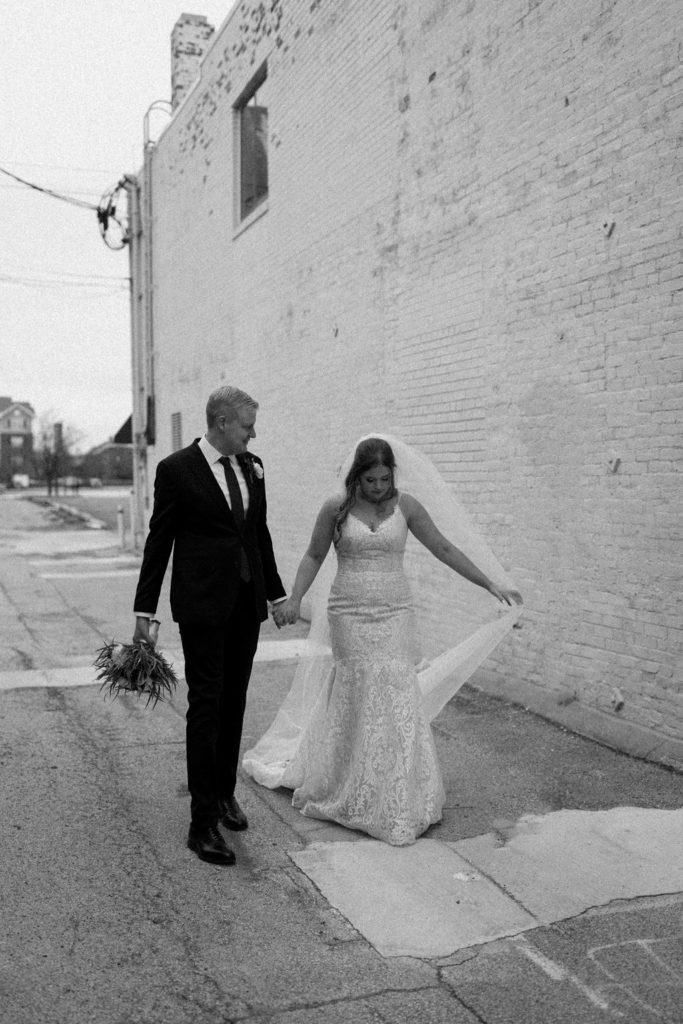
(213, 457)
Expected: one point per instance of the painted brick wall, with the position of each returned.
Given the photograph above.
(472, 240)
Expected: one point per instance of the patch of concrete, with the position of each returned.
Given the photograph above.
(560, 864)
(422, 900)
(52, 677)
(25, 542)
(280, 650)
(84, 675)
(92, 560)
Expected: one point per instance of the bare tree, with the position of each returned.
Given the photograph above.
(54, 449)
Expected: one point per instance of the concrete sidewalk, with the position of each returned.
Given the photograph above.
(541, 826)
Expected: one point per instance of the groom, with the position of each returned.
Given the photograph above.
(210, 508)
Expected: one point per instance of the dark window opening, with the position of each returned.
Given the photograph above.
(252, 112)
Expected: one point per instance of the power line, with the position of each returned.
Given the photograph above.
(106, 209)
(52, 284)
(49, 191)
(64, 167)
(24, 269)
(106, 217)
(71, 191)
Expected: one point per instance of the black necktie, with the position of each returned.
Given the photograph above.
(236, 503)
(237, 506)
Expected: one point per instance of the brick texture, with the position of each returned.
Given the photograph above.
(472, 240)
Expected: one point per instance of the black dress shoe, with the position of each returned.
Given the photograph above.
(209, 845)
(231, 814)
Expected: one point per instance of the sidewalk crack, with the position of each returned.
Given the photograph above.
(611, 905)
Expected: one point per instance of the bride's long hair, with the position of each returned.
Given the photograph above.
(371, 452)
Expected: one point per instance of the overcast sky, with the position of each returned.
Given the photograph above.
(76, 78)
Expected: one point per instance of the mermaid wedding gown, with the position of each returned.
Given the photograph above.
(352, 738)
(367, 758)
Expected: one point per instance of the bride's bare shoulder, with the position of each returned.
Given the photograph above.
(330, 507)
(408, 503)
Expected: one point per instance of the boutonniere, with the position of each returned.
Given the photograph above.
(253, 468)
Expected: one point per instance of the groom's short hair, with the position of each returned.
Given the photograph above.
(226, 400)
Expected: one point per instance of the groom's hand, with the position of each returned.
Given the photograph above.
(278, 614)
(142, 634)
(286, 613)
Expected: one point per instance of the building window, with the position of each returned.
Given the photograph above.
(16, 442)
(251, 137)
(176, 432)
(151, 425)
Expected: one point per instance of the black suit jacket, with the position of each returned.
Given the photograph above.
(192, 517)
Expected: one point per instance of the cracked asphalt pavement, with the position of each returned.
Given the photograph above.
(108, 919)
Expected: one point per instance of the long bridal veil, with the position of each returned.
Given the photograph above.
(459, 624)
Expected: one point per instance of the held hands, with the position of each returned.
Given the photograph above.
(286, 612)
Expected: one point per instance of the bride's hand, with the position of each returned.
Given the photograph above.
(291, 609)
(505, 595)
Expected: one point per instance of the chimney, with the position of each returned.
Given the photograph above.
(189, 42)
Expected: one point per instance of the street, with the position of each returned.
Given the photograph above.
(102, 503)
(551, 893)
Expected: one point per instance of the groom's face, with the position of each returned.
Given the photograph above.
(237, 433)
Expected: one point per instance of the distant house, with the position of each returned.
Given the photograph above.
(112, 461)
(16, 439)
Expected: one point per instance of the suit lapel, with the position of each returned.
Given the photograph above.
(210, 486)
(204, 475)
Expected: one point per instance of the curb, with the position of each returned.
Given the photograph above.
(90, 522)
(618, 734)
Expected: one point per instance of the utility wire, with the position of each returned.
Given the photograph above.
(47, 282)
(105, 210)
(73, 192)
(65, 167)
(49, 191)
(106, 216)
(8, 268)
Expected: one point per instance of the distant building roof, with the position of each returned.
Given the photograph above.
(124, 435)
(7, 403)
(108, 446)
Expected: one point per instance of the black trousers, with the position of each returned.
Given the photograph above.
(218, 662)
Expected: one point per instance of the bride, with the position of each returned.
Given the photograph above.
(353, 737)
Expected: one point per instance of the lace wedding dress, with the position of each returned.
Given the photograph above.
(367, 759)
(392, 639)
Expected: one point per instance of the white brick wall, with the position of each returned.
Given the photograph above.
(473, 240)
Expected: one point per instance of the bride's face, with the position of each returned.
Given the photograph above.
(375, 483)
